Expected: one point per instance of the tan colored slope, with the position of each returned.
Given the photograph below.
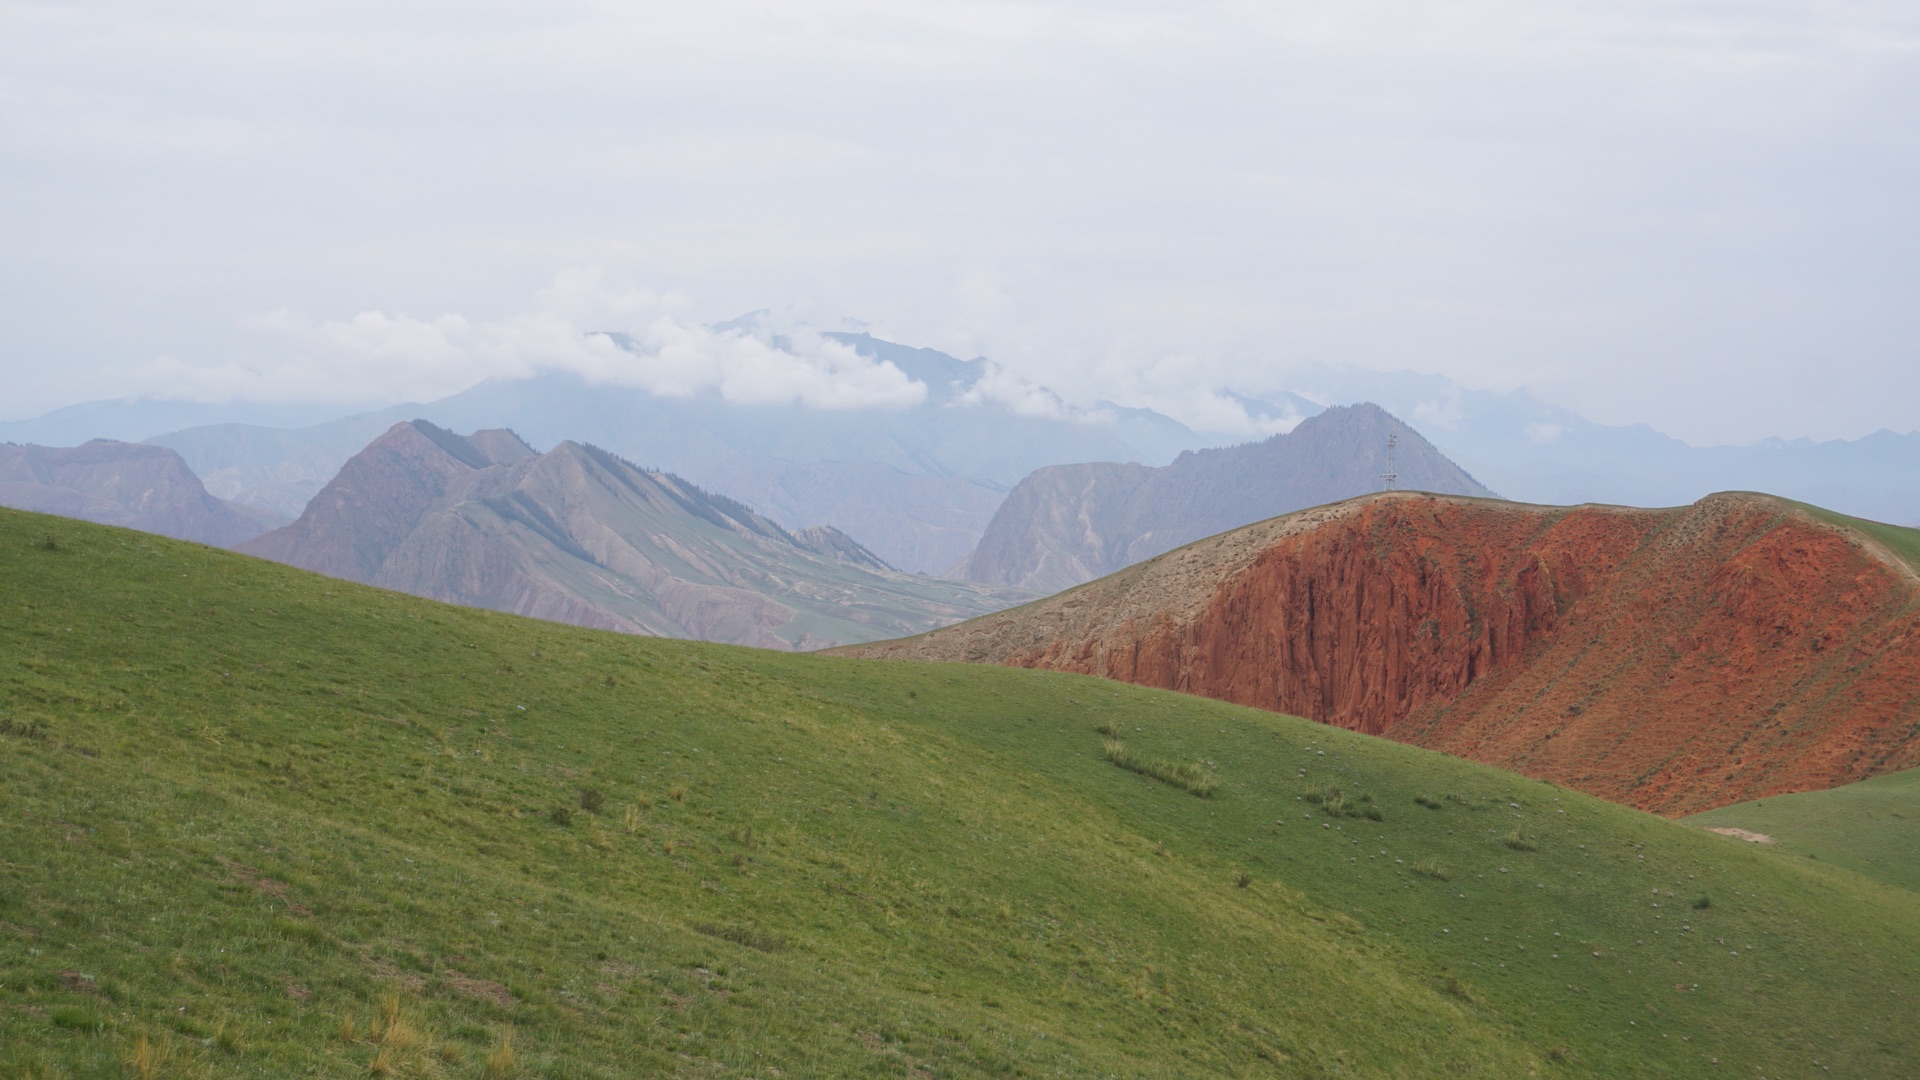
(1674, 660)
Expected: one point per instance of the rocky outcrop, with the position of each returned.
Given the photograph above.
(578, 535)
(128, 484)
(1674, 660)
(834, 544)
(1067, 524)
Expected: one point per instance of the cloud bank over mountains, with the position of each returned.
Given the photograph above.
(607, 332)
(1693, 215)
(382, 356)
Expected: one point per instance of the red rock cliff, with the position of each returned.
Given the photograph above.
(1673, 660)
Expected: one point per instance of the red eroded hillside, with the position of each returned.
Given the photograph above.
(1674, 660)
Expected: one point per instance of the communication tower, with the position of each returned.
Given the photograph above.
(1390, 476)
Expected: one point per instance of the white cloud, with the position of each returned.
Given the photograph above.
(677, 358)
(1206, 407)
(999, 385)
(1541, 433)
(1444, 414)
(1279, 424)
(379, 356)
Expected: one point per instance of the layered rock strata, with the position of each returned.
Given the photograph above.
(1674, 660)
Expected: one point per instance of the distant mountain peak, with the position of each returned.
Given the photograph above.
(1067, 524)
(482, 449)
(584, 536)
(745, 323)
(133, 485)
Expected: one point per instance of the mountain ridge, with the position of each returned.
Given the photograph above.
(916, 484)
(1525, 447)
(1674, 660)
(583, 536)
(133, 485)
(1068, 524)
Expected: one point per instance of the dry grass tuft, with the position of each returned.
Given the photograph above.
(500, 1063)
(402, 1048)
(147, 1057)
(392, 1030)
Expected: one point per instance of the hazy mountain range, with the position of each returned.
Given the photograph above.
(919, 485)
(1532, 451)
(1067, 524)
(578, 535)
(128, 484)
(915, 485)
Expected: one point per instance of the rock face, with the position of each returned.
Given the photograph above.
(128, 484)
(1068, 524)
(1674, 660)
(577, 535)
(832, 543)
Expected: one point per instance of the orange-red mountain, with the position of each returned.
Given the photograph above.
(1674, 660)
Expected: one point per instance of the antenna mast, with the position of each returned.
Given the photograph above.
(1390, 476)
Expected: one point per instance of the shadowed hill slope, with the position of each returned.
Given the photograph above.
(128, 484)
(262, 823)
(577, 535)
(1674, 660)
(1067, 524)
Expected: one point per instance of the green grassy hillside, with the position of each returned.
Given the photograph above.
(257, 822)
(1902, 541)
(1872, 826)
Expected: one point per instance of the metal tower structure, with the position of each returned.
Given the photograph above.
(1390, 476)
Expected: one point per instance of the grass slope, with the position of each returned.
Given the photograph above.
(1872, 827)
(257, 822)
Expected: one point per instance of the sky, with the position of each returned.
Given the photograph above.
(1698, 215)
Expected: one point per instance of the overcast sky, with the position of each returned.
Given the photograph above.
(1701, 215)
